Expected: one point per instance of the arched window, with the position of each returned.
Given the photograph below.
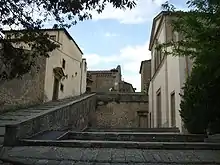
(157, 55)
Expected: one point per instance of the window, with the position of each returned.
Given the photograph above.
(158, 56)
(63, 64)
(53, 37)
(61, 87)
(158, 110)
(85, 68)
(173, 109)
(150, 120)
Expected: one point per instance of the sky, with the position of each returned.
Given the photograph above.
(118, 37)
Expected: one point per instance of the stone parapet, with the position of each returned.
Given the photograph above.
(73, 115)
(122, 97)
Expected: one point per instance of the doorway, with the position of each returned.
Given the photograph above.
(55, 89)
(143, 121)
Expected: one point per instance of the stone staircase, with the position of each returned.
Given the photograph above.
(133, 136)
(116, 146)
(165, 129)
(138, 138)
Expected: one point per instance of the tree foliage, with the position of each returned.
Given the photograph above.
(31, 15)
(200, 30)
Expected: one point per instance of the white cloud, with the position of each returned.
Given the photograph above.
(109, 34)
(129, 58)
(144, 11)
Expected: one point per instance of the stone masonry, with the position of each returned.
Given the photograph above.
(121, 110)
(145, 71)
(26, 91)
(103, 80)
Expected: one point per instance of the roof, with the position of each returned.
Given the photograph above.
(60, 29)
(125, 83)
(142, 63)
(99, 71)
(162, 13)
(104, 71)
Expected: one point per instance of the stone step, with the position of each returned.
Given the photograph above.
(132, 130)
(122, 144)
(49, 135)
(213, 138)
(2, 133)
(133, 136)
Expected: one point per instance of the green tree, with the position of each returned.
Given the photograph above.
(200, 31)
(31, 15)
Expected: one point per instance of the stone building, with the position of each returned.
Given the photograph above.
(61, 75)
(104, 80)
(145, 71)
(125, 87)
(168, 74)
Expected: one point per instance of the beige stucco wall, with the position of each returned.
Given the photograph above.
(174, 85)
(73, 57)
(175, 80)
(170, 77)
(158, 82)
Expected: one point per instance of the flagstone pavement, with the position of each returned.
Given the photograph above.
(39, 155)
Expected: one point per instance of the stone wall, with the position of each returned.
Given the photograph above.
(145, 72)
(121, 110)
(73, 115)
(125, 87)
(103, 80)
(25, 91)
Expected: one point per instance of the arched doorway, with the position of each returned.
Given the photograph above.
(58, 75)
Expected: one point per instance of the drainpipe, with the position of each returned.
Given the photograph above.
(166, 76)
(167, 94)
(152, 102)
